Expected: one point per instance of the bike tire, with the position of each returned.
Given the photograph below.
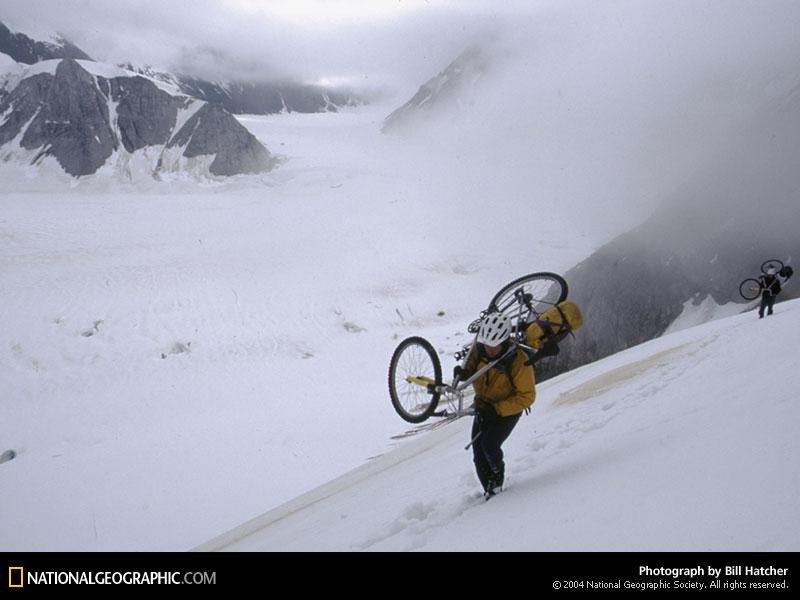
(750, 289)
(771, 263)
(414, 357)
(546, 290)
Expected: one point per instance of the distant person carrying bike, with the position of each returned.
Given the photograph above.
(769, 284)
(501, 395)
(771, 287)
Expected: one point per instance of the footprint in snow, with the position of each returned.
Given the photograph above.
(179, 348)
(94, 330)
(419, 519)
(419, 511)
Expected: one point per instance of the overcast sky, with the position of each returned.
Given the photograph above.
(602, 102)
(373, 42)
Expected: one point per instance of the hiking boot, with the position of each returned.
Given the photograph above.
(494, 483)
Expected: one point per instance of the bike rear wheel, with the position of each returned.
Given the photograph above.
(772, 263)
(750, 289)
(529, 296)
(415, 373)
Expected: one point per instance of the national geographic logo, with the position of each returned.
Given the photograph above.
(16, 577)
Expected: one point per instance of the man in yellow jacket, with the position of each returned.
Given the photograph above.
(501, 395)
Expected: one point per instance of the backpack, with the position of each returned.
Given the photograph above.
(554, 324)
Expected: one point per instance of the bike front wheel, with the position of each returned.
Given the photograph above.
(415, 375)
(749, 289)
(529, 296)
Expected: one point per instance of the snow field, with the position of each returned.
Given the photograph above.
(176, 361)
(669, 446)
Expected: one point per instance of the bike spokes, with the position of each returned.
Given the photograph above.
(528, 297)
(414, 375)
(750, 289)
(773, 264)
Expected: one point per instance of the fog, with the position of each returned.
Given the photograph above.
(601, 111)
(594, 110)
(377, 44)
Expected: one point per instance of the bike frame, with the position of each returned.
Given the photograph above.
(454, 392)
(520, 306)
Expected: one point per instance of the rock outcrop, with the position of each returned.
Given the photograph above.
(257, 98)
(82, 119)
(23, 49)
(214, 131)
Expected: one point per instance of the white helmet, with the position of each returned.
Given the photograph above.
(495, 329)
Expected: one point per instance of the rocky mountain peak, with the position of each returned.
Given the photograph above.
(83, 119)
(24, 49)
(441, 91)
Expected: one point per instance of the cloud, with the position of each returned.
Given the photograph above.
(377, 42)
(606, 108)
(603, 107)
(397, 42)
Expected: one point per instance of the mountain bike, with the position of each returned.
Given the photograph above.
(416, 385)
(751, 288)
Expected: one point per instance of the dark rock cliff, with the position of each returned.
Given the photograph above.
(213, 130)
(64, 115)
(81, 120)
(25, 50)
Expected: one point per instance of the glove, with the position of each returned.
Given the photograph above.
(461, 373)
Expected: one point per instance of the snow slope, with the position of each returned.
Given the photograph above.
(175, 362)
(178, 360)
(685, 443)
(178, 357)
(697, 313)
(32, 28)
(12, 72)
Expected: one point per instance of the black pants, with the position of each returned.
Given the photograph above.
(486, 450)
(767, 301)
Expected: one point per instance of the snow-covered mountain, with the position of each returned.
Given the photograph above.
(24, 49)
(241, 97)
(686, 443)
(237, 97)
(440, 93)
(87, 115)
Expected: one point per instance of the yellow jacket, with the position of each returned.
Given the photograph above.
(509, 391)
